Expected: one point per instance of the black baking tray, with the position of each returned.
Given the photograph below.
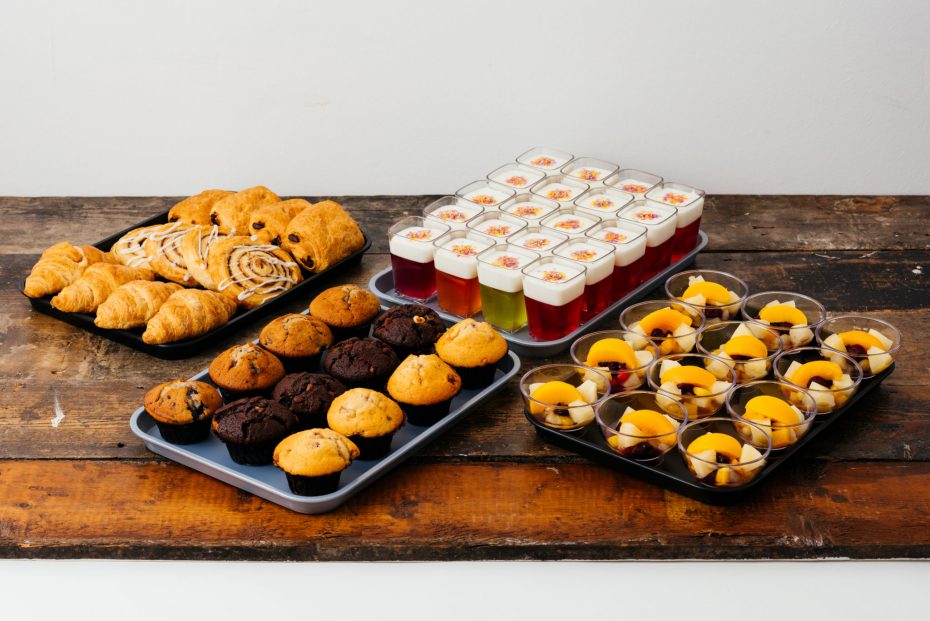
(196, 345)
(672, 473)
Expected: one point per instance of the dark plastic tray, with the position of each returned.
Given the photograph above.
(382, 285)
(194, 346)
(672, 473)
(211, 457)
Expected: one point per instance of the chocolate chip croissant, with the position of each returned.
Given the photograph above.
(196, 209)
(95, 285)
(59, 266)
(231, 213)
(188, 313)
(321, 235)
(267, 224)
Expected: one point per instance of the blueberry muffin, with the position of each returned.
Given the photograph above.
(245, 371)
(183, 409)
(252, 427)
(424, 387)
(361, 363)
(409, 329)
(313, 460)
(347, 310)
(308, 396)
(473, 349)
(297, 340)
(368, 418)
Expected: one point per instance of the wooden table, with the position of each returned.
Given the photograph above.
(84, 486)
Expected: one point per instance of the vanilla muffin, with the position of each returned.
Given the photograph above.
(245, 371)
(183, 409)
(297, 340)
(347, 310)
(473, 349)
(368, 418)
(313, 460)
(424, 387)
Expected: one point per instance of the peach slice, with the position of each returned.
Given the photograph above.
(612, 350)
(772, 408)
(710, 290)
(649, 422)
(694, 376)
(748, 346)
(783, 313)
(554, 393)
(717, 442)
(664, 319)
(803, 375)
(861, 338)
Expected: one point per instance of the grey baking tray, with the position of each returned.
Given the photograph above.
(382, 285)
(211, 457)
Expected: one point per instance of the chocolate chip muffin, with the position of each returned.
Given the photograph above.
(409, 329)
(313, 460)
(473, 349)
(424, 387)
(368, 418)
(308, 396)
(297, 340)
(252, 427)
(361, 363)
(347, 310)
(245, 371)
(183, 409)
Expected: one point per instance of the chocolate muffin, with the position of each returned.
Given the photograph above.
(252, 427)
(368, 418)
(308, 396)
(297, 340)
(424, 386)
(313, 460)
(183, 409)
(361, 363)
(245, 371)
(347, 310)
(409, 329)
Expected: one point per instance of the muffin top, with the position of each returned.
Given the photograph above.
(360, 360)
(424, 380)
(314, 453)
(364, 412)
(253, 420)
(180, 402)
(246, 367)
(345, 306)
(307, 393)
(471, 344)
(295, 336)
(409, 326)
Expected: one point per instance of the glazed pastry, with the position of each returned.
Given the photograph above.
(186, 314)
(196, 209)
(195, 248)
(95, 285)
(251, 272)
(59, 266)
(268, 223)
(163, 248)
(133, 304)
(322, 235)
(231, 213)
(129, 249)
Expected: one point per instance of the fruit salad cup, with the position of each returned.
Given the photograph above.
(635, 427)
(692, 380)
(831, 381)
(672, 331)
(749, 347)
(774, 417)
(717, 455)
(612, 351)
(794, 316)
(717, 295)
(564, 396)
(872, 343)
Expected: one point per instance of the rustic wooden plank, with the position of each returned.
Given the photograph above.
(455, 511)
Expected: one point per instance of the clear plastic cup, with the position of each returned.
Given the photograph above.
(636, 428)
(562, 405)
(774, 418)
(750, 348)
(831, 381)
(693, 296)
(716, 464)
(795, 331)
(627, 367)
(872, 343)
(701, 389)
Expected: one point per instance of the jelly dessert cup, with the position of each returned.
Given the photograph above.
(603, 202)
(539, 239)
(553, 288)
(629, 241)
(564, 396)
(516, 176)
(456, 261)
(500, 284)
(689, 203)
(570, 221)
(546, 159)
(777, 419)
(717, 455)
(610, 351)
(659, 221)
(410, 241)
(485, 193)
(690, 379)
(589, 170)
(794, 316)
(497, 225)
(717, 295)
(598, 259)
(561, 188)
(632, 181)
(831, 381)
(672, 331)
(872, 343)
(452, 211)
(749, 347)
(530, 207)
(636, 428)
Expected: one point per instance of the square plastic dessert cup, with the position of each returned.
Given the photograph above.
(560, 405)
(570, 221)
(635, 182)
(546, 159)
(456, 261)
(553, 288)
(659, 221)
(529, 206)
(764, 396)
(603, 202)
(485, 193)
(884, 336)
(452, 211)
(590, 170)
(500, 282)
(497, 225)
(516, 176)
(539, 239)
(561, 188)
(643, 442)
(410, 241)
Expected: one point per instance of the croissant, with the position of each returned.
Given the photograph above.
(322, 235)
(196, 209)
(251, 272)
(133, 304)
(163, 247)
(195, 247)
(231, 213)
(267, 224)
(59, 266)
(95, 285)
(188, 313)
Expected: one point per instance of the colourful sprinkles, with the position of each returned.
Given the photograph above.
(635, 188)
(588, 174)
(646, 215)
(583, 255)
(553, 276)
(527, 211)
(483, 199)
(516, 180)
(615, 237)
(673, 198)
(506, 261)
(498, 230)
(568, 224)
(542, 160)
(464, 250)
(534, 243)
(559, 194)
(602, 203)
(420, 235)
(452, 214)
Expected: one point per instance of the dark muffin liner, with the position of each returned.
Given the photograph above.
(379, 384)
(403, 352)
(372, 448)
(313, 486)
(425, 415)
(476, 377)
(316, 420)
(341, 334)
(190, 433)
(309, 364)
(230, 395)
(258, 454)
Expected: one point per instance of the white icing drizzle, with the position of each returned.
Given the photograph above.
(203, 247)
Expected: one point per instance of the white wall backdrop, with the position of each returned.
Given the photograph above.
(135, 98)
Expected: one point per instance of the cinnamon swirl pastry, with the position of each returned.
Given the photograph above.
(163, 247)
(129, 249)
(251, 272)
(195, 248)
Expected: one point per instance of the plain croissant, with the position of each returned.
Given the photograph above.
(59, 266)
(186, 314)
(95, 285)
(133, 304)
